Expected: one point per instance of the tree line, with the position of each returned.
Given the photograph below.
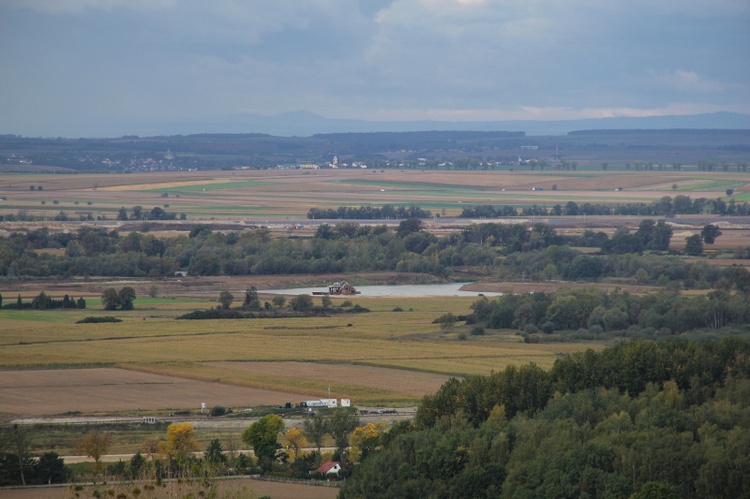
(664, 207)
(385, 212)
(594, 313)
(42, 301)
(515, 251)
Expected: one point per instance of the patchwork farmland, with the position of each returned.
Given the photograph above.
(267, 195)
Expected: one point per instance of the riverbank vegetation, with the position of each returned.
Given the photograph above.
(493, 250)
(595, 314)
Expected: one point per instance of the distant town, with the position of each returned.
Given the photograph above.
(640, 150)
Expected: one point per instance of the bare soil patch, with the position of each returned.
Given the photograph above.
(99, 390)
(232, 487)
(411, 382)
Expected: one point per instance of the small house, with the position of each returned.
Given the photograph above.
(329, 468)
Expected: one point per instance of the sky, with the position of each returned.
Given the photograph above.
(115, 67)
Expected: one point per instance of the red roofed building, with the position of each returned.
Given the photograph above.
(329, 468)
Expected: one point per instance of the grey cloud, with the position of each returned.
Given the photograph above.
(101, 60)
(77, 6)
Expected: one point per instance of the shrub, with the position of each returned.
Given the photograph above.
(218, 410)
(97, 320)
(530, 329)
(212, 314)
(477, 331)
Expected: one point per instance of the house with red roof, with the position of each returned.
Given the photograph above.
(329, 468)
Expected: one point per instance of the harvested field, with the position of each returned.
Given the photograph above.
(372, 358)
(57, 391)
(415, 383)
(161, 185)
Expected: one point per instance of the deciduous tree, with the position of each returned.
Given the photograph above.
(126, 297)
(367, 438)
(302, 303)
(296, 441)
(110, 299)
(19, 440)
(694, 245)
(95, 444)
(263, 436)
(709, 233)
(315, 429)
(180, 443)
(225, 299)
(151, 446)
(341, 424)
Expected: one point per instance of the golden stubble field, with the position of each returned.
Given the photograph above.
(152, 361)
(281, 194)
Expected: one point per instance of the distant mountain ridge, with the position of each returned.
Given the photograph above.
(304, 124)
(307, 124)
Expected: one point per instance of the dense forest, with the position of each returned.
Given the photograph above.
(668, 419)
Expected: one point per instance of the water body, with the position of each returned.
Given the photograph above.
(401, 290)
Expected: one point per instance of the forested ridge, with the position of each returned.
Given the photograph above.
(667, 419)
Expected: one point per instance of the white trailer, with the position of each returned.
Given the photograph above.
(330, 403)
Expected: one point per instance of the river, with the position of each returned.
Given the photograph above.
(399, 290)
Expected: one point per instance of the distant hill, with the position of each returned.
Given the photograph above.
(673, 144)
(303, 124)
